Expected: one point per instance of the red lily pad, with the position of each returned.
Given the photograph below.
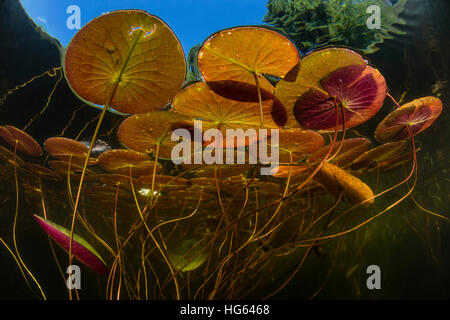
(314, 67)
(358, 89)
(81, 250)
(419, 114)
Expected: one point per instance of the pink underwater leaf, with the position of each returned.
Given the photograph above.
(81, 250)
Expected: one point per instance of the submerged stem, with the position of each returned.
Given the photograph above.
(258, 88)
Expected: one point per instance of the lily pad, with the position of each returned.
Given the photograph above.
(163, 182)
(143, 132)
(297, 143)
(239, 53)
(9, 157)
(337, 180)
(314, 67)
(129, 54)
(127, 162)
(349, 151)
(418, 114)
(65, 168)
(41, 171)
(198, 101)
(66, 149)
(25, 143)
(283, 171)
(378, 156)
(358, 89)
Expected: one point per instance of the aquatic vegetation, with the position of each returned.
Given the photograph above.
(416, 116)
(81, 249)
(150, 132)
(68, 150)
(349, 150)
(337, 180)
(163, 229)
(315, 23)
(123, 161)
(20, 141)
(104, 62)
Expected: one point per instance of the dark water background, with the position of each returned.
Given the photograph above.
(411, 247)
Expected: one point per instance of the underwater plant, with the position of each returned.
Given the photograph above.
(315, 23)
(156, 228)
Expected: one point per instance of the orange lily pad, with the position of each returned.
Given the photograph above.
(65, 168)
(198, 101)
(43, 172)
(25, 143)
(337, 180)
(163, 182)
(283, 171)
(350, 150)
(298, 143)
(210, 171)
(246, 92)
(114, 179)
(129, 54)
(66, 149)
(127, 162)
(397, 161)
(9, 157)
(208, 184)
(377, 157)
(143, 132)
(188, 195)
(239, 53)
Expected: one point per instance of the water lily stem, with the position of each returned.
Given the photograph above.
(393, 100)
(258, 88)
(83, 173)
